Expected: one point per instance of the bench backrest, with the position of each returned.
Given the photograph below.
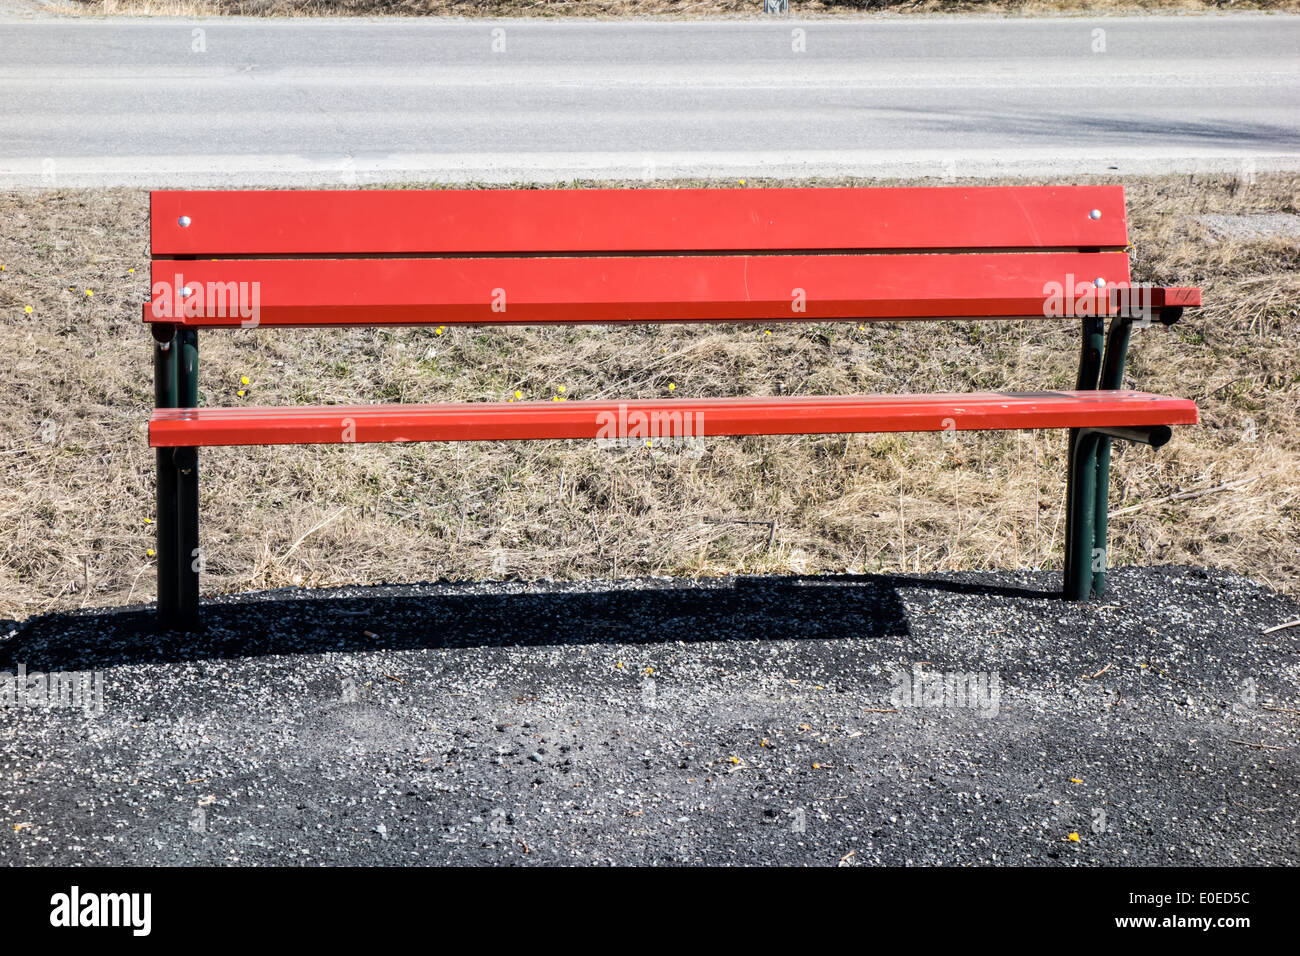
(406, 257)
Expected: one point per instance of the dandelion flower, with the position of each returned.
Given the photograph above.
(240, 393)
(28, 310)
(243, 380)
(767, 331)
(672, 386)
(90, 292)
(149, 552)
(1073, 838)
(519, 394)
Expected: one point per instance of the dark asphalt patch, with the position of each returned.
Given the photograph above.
(746, 720)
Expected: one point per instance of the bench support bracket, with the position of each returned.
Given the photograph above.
(1081, 478)
(176, 385)
(165, 518)
(186, 463)
(1112, 377)
(1088, 482)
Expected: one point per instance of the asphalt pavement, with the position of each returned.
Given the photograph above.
(824, 720)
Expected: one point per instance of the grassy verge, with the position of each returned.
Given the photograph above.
(656, 8)
(77, 489)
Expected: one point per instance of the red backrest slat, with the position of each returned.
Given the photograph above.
(570, 289)
(551, 221)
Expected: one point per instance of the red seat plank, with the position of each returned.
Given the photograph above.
(647, 419)
(301, 292)
(513, 221)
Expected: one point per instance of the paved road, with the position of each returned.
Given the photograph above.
(149, 102)
(749, 720)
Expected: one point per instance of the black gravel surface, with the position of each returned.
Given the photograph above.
(738, 720)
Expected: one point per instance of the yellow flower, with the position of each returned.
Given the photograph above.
(149, 552)
(733, 760)
(1075, 780)
(240, 393)
(28, 310)
(148, 520)
(742, 182)
(438, 331)
(618, 666)
(90, 292)
(649, 670)
(767, 331)
(817, 766)
(672, 386)
(560, 389)
(519, 394)
(1073, 838)
(132, 271)
(243, 380)
(555, 398)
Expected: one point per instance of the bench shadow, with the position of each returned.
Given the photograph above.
(432, 616)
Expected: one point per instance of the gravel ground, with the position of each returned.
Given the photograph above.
(740, 720)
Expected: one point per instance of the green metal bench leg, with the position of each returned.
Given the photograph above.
(1100, 554)
(1081, 519)
(187, 497)
(1081, 479)
(186, 462)
(1112, 377)
(165, 518)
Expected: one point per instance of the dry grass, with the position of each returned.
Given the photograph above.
(655, 8)
(77, 488)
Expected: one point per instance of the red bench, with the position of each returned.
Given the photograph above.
(495, 257)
